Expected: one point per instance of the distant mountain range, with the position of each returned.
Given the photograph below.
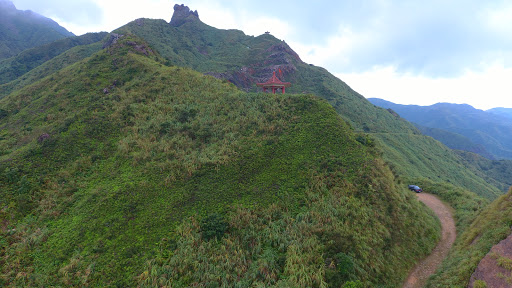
(506, 112)
(20, 30)
(461, 126)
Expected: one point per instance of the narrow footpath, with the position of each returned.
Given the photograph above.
(419, 275)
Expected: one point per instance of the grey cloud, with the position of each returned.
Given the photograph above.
(436, 38)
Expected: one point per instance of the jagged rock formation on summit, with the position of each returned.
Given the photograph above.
(183, 14)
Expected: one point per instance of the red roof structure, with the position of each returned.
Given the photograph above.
(274, 83)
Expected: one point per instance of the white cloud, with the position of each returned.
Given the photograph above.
(117, 13)
(483, 89)
(335, 50)
(498, 19)
(222, 17)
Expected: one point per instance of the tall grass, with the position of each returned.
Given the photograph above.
(137, 154)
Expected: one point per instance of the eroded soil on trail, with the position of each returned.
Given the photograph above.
(495, 268)
(419, 275)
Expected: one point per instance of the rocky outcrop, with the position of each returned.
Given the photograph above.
(278, 58)
(114, 37)
(495, 268)
(183, 14)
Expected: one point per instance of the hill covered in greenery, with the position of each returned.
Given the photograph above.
(107, 180)
(16, 66)
(245, 60)
(20, 30)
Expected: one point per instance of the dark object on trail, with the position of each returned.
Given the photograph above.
(415, 188)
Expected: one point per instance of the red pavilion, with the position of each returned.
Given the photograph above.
(274, 83)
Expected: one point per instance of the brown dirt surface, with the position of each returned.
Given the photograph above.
(419, 274)
(488, 270)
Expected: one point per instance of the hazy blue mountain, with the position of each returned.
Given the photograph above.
(20, 30)
(506, 112)
(492, 131)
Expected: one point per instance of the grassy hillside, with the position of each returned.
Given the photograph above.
(115, 167)
(418, 156)
(51, 66)
(245, 60)
(454, 141)
(16, 66)
(169, 168)
(224, 53)
(494, 171)
(20, 30)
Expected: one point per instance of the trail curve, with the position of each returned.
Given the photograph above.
(426, 267)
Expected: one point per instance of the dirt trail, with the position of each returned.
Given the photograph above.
(419, 275)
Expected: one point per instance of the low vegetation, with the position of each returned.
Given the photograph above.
(416, 156)
(14, 67)
(116, 167)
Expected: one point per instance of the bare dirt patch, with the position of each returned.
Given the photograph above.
(495, 269)
(419, 274)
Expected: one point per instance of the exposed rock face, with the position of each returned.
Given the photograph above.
(112, 40)
(489, 269)
(183, 14)
(279, 58)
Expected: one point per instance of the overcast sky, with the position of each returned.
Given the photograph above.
(407, 52)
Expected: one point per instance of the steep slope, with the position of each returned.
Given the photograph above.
(14, 67)
(246, 60)
(20, 30)
(494, 171)
(492, 131)
(118, 159)
(57, 63)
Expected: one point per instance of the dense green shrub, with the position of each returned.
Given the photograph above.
(213, 226)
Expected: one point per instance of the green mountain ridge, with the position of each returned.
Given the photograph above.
(15, 67)
(101, 177)
(246, 60)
